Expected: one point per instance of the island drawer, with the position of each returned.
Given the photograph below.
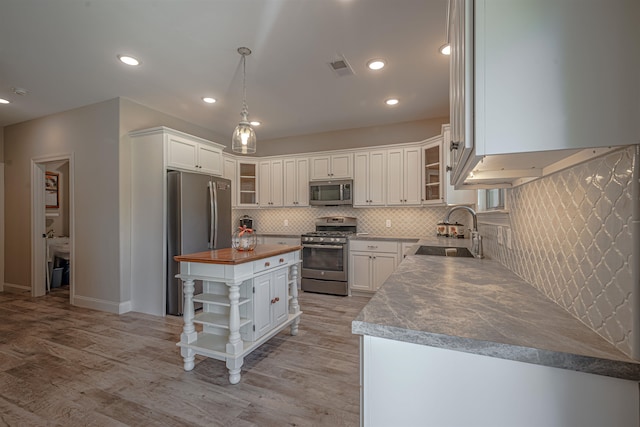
(273, 262)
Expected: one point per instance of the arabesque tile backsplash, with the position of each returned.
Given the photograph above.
(571, 237)
(405, 222)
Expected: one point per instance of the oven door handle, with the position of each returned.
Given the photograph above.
(323, 246)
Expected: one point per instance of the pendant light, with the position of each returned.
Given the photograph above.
(243, 140)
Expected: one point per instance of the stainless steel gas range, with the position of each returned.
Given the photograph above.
(325, 254)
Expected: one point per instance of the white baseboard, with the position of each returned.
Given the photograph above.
(101, 305)
(10, 287)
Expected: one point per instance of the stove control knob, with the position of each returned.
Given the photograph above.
(333, 239)
(320, 239)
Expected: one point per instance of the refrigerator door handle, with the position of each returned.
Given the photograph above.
(212, 218)
(214, 226)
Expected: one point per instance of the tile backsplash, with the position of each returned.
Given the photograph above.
(571, 239)
(405, 222)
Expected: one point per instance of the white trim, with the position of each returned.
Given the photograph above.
(7, 287)
(38, 217)
(101, 305)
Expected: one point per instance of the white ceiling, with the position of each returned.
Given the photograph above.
(63, 52)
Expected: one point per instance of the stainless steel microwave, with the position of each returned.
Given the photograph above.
(331, 193)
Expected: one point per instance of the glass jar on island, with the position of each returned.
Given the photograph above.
(244, 239)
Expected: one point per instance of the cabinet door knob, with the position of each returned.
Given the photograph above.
(282, 259)
(275, 300)
(267, 264)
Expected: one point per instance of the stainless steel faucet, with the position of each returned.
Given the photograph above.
(476, 238)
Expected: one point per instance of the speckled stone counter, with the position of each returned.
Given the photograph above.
(478, 306)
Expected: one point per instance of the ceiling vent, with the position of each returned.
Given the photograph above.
(341, 67)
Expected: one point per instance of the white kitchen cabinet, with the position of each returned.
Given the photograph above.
(536, 76)
(404, 177)
(371, 262)
(334, 166)
(296, 182)
(432, 173)
(410, 384)
(436, 188)
(270, 183)
(247, 183)
(269, 302)
(229, 171)
(188, 152)
(369, 177)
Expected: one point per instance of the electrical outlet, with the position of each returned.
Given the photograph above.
(388, 223)
(499, 235)
(286, 222)
(508, 238)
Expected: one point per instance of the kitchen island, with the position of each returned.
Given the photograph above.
(452, 341)
(248, 297)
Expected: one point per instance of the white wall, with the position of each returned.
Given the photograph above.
(1, 209)
(91, 134)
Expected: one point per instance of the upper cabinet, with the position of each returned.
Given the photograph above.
(451, 195)
(335, 166)
(190, 153)
(369, 178)
(247, 183)
(548, 77)
(404, 177)
(296, 182)
(432, 188)
(270, 188)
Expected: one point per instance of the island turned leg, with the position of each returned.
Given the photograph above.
(235, 345)
(294, 307)
(189, 333)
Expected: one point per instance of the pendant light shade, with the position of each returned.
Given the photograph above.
(243, 140)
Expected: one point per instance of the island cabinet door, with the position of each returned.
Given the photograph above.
(270, 301)
(262, 304)
(279, 296)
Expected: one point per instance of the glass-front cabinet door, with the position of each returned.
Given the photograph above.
(432, 178)
(247, 184)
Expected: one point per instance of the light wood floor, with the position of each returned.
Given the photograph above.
(68, 366)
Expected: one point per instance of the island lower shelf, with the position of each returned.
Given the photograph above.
(214, 346)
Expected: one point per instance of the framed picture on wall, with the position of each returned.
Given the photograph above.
(51, 190)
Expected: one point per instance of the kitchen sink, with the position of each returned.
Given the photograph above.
(444, 251)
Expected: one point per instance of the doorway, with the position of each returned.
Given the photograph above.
(52, 214)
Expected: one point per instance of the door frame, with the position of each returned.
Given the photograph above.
(38, 228)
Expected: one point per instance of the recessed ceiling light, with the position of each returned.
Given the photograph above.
(255, 123)
(3, 101)
(209, 100)
(445, 49)
(391, 101)
(376, 64)
(129, 60)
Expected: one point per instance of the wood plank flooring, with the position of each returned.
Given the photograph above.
(67, 366)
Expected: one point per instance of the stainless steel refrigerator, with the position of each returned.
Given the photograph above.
(198, 219)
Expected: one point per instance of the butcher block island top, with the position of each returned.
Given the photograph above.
(247, 298)
(232, 256)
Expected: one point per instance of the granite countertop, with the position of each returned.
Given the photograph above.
(232, 257)
(478, 306)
